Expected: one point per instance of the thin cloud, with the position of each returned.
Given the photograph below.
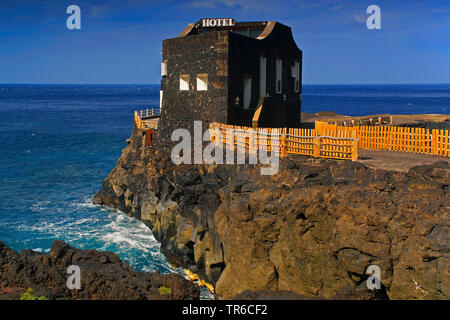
(203, 4)
(440, 10)
(359, 17)
(99, 11)
(246, 4)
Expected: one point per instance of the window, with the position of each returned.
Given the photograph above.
(241, 32)
(279, 65)
(296, 75)
(184, 82)
(247, 96)
(164, 68)
(262, 76)
(202, 82)
(254, 33)
(248, 32)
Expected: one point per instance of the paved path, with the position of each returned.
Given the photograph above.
(398, 161)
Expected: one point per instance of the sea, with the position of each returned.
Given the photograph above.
(58, 143)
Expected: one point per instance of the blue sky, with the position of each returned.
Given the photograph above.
(120, 41)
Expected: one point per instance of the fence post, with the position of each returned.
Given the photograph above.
(433, 142)
(218, 135)
(138, 120)
(355, 150)
(283, 145)
(251, 140)
(231, 142)
(317, 143)
(446, 150)
(211, 133)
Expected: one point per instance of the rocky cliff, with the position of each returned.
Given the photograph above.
(103, 276)
(312, 229)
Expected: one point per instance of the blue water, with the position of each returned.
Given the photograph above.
(359, 100)
(58, 143)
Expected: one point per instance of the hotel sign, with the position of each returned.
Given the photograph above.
(217, 22)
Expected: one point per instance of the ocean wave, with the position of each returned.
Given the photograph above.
(128, 232)
(85, 203)
(87, 226)
(40, 205)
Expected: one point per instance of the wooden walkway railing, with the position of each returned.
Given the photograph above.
(286, 141)
(391, 138)
(155, 112)
(147, 119)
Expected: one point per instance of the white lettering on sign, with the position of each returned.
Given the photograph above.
(225, 22)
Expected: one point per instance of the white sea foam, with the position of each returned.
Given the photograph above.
(40, 205)
(86, 203)
(84, 224)
(128, 232)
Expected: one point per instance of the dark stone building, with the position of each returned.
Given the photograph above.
(242, 73)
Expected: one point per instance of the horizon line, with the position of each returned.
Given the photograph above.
(157, 84)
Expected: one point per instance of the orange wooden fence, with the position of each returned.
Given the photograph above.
(286, 141)
(391, 138)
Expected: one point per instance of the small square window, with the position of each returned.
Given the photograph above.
(184, 82)
(202, 82)
(164, 68)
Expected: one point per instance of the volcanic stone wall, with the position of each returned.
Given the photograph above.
(205, 53)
